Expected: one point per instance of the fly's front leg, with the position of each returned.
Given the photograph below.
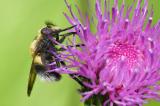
(65, 35)
(78, 45)
(67, 28)
(57, 37)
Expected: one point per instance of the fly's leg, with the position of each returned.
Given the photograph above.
(65, 35)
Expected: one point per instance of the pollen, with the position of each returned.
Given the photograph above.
(126, 53)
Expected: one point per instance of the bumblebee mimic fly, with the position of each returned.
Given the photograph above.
(40, 51)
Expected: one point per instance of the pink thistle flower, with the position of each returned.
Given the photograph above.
(120, 63)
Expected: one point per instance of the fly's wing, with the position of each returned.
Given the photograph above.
(32, 77)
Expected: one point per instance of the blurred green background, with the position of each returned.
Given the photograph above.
(20, 21)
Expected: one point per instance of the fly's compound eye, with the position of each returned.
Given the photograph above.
(46, 31)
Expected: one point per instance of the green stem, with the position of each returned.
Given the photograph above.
(94, 101)
(97, 100)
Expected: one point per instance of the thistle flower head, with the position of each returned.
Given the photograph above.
(120, 63)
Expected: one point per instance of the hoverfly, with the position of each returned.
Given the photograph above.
(42, 57)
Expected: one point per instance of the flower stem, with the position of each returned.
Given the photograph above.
(94, 101)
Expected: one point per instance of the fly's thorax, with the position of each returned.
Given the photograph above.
(34, 45)
(38, 60)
